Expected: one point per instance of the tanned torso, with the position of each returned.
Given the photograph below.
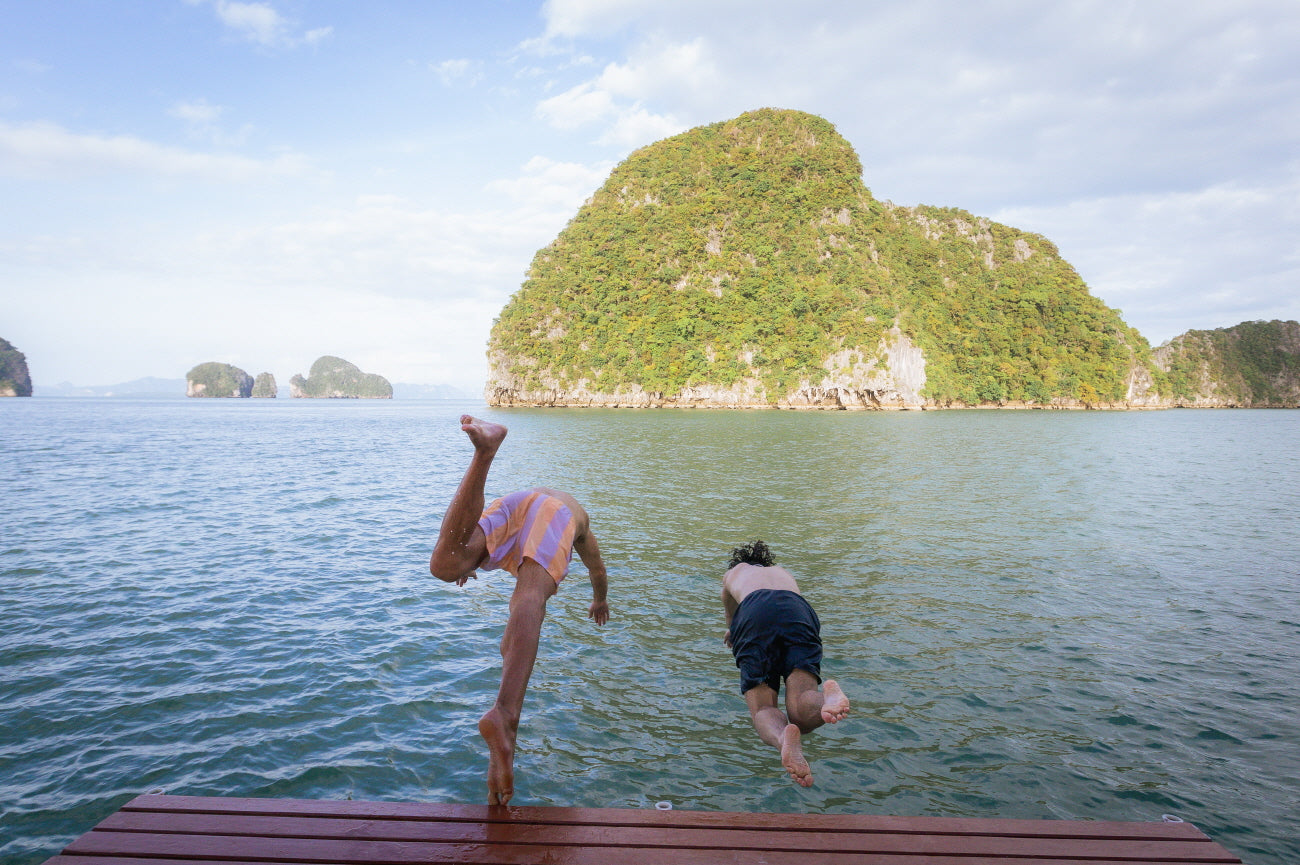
(743, 579)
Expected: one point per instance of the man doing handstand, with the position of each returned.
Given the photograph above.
(532, 534)
(775, 634)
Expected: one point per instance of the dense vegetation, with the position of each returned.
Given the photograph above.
(14, 377)
(1255, 363)
(215, 379)
(750, 249)
(264, 386)
(335, 378)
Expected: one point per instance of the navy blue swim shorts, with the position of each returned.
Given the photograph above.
(773, 633)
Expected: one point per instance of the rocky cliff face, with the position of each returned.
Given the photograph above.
(15, 380)
(335, 378)
(214, 379)
(890, 378)
(745, 264)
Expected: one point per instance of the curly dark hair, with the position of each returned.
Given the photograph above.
(753, 553)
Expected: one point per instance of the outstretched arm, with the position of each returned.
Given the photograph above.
(589, 551)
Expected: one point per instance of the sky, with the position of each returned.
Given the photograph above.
(262, 183)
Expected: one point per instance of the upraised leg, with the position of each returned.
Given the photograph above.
(809, 707)
(835, 703)
(461, 545)
(499, 726)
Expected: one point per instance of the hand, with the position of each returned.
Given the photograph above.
(598, 612)
(726, 638)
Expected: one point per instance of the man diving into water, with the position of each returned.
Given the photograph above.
(774, 634)
(532, 534)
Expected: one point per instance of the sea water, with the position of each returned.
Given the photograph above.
(1081, 615)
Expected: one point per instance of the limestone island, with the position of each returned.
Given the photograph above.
(215, 379)
(745, 264)
(334, 378)
(264, 386)
(15, 380)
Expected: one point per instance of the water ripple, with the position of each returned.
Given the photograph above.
(1072, 615)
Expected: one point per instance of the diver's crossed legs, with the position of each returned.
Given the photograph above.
(807, 708)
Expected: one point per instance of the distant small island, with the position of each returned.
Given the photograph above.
(335, 378)
(215, 379)
(264, 386)
(14, 377)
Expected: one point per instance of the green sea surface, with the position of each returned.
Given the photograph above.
(1080, 615)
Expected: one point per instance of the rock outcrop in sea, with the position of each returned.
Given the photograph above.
(335, 378)
(215, 379)
(745, 264)
(264, 386)
(15, 380)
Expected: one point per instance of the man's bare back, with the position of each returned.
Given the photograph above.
(745, 578)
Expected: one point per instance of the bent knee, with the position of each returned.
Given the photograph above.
(807, 725)
(446, 568)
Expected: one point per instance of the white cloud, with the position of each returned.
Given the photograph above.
(255, 21)
(616, 97)
(197, 113)
(318, 34)
(545, 184)
(44, 149)
(203, 121)
(600, 18)
(261, 24)
(635, 126)
(578, 106)
(1176, 261)
(452, 72)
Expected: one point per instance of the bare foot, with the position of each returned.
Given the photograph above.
(485, 435)
(501, 757)
(792, 756)
(835, 705)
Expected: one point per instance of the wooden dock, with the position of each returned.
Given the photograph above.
(188, 830)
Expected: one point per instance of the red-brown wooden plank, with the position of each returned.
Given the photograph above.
(287, 850)
(649, 817)
(654, 857)
(872, 860)
(175, 830)
(656, 836)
